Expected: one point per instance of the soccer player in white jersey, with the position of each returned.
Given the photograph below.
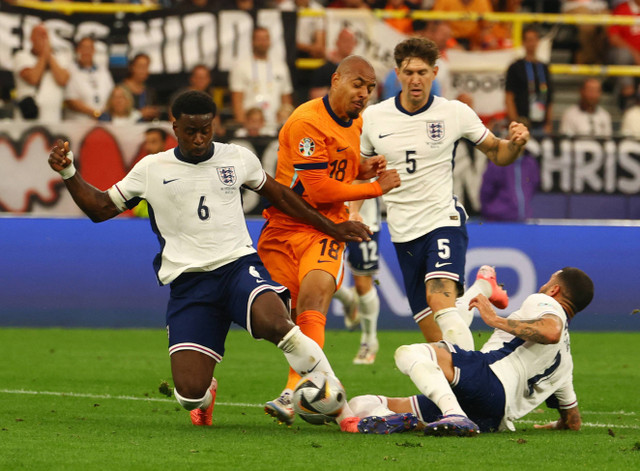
(207, 256)
(418, 132)
(525, 362)
(362, 303)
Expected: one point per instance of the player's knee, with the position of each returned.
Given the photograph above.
(408, 355)
(191, 389)
(405, 357)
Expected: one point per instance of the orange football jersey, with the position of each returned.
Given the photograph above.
(316, 145)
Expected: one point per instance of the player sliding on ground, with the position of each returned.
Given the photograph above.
(526, 362)
(207, 256)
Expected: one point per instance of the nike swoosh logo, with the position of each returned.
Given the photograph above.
(344, 148)
(382, 136)
(323, 261)
(441, 264)
(169, 181)
(367, 266)
(302, 373)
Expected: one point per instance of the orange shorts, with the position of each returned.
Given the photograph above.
(290, 254)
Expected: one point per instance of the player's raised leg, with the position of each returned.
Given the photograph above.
(430, 367)
(487, 284)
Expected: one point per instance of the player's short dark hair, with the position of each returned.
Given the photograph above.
(160, 131)
(193, 102)
(420, 48)
(577, 287)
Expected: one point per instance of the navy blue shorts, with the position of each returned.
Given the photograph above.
(203, 305)
(363, 256)
(438, 254)
(478, 390)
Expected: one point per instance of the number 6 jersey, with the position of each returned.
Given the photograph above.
(194, 209)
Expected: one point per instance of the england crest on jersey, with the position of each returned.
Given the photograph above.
(227, 175)
(435, 130)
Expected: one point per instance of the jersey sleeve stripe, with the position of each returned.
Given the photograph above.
(311, 166)
(484, 134)
(261, 184)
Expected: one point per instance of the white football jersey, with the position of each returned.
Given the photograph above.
(195, 209)
(421, 147)
(532, 372)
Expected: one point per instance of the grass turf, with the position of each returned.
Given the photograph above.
(89, 399)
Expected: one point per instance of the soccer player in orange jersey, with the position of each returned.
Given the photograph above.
(319, 158)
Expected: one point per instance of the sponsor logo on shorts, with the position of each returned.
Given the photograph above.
(442, 264)
(382, 136)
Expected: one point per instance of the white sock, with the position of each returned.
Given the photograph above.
(303, 354)
(191, 404)
(345, 295)
(453, 328)
(462, 303)
(419, 362)
(369, 308)
(365, 406)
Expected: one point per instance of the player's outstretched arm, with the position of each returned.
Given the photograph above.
(290, 203)
(569, 420)
(503, 152)
(545, 330)
(95, 203)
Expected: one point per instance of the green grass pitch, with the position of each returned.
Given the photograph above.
(89, 399)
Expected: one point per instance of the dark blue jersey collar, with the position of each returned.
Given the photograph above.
(204, 158)
(424, 108)
(344, 124)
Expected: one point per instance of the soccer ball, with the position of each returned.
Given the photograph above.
(318, 398)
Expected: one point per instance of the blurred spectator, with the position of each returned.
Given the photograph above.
(40, 75)
(155, 140)
(465, 32)
(587, 118)
(630, 126)
(89, 86)
(404, 25)
(200, 80)
(625, 49)
(592, 39)
(120, 109)
(144, 97)
(260, 81)
(497, 35)
(321, 79)
(440, 33)
(528, 88)
(254, 125)
(283, 114)
(348, 4)
(310, 30)
(506, 192)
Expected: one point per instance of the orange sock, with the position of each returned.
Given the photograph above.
(311, 324)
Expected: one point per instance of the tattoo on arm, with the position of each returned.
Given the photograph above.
(527, 330)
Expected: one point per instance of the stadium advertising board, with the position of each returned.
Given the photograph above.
(71, 272)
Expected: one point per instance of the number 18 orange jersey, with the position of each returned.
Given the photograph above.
(319, 158)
